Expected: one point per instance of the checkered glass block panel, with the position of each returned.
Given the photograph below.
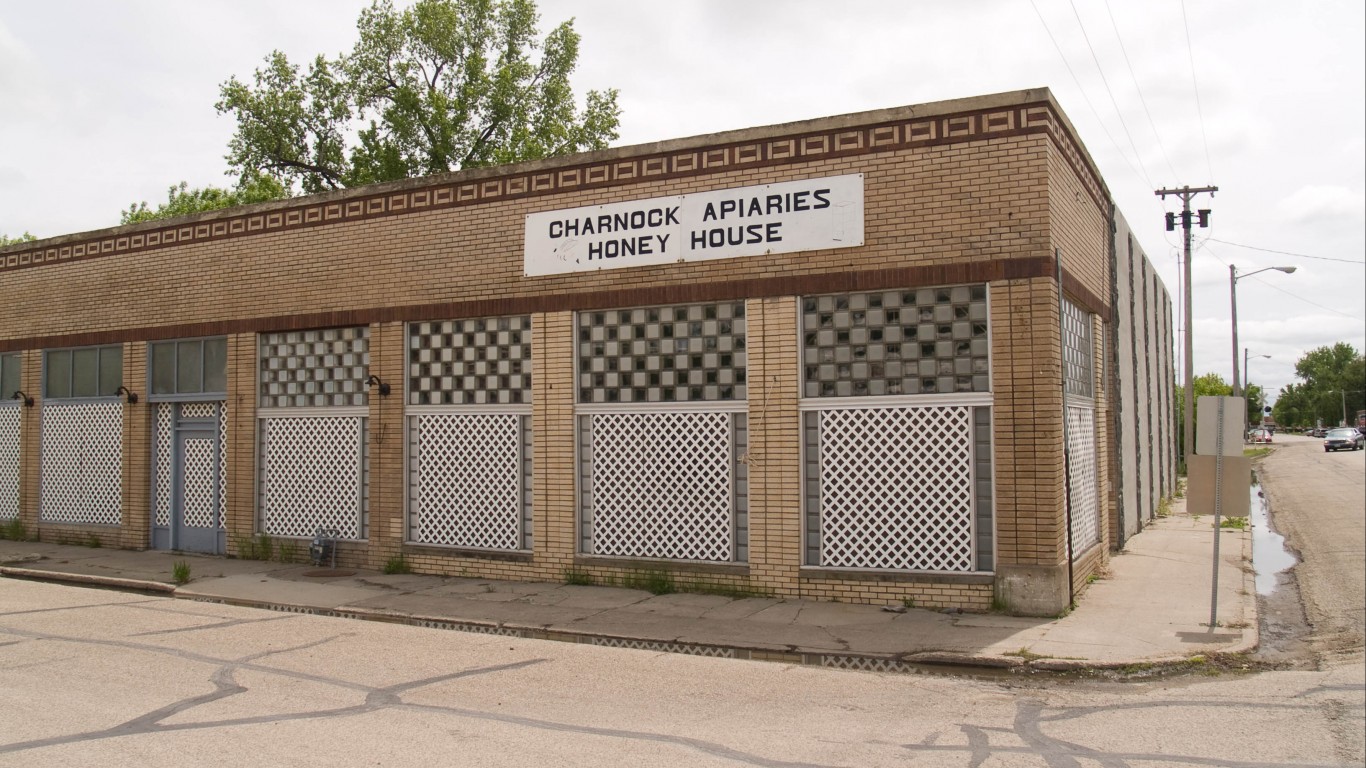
(312, 475)
(469, 480)
(662, 354)
(315, 368)
(1076, 350)
(661, 485)
(466, 362)
(82, 464)
(896, 488)
(908, 342)
(9, 461)
(161, 485)
(1082, 488)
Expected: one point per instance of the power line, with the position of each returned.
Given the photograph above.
(1151, 124)
(1106, 82)
(1082, 90)
(1285, 253)
(1221, 260)
(1199, 110)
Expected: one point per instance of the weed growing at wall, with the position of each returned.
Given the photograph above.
(14, 530)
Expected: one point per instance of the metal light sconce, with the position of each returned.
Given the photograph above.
(27, 400)
(373, 381)
(132, 396)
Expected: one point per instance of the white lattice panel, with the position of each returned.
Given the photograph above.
(82, 465)
(311, 475)
(9, 462)
(198, 410)
(469, 476)
(896, 488)
(1081, 478)
(165, 421)
(200, 487)
(662, 485)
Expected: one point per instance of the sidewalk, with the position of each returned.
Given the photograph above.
(1152, 608)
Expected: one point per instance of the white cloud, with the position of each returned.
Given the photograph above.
(1323, 203)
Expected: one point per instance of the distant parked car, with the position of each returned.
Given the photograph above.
(1260, 435)
(1345, 438)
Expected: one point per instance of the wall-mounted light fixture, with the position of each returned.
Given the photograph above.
(373, 381)
(132, 396)
(28, 401)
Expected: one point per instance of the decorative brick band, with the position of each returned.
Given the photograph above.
(680, 293)
(912, 132)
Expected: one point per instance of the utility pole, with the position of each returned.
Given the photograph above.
(1188, 411)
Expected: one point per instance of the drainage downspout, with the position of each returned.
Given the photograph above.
(1066, 456)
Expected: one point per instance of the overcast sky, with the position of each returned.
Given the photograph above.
(103, 104)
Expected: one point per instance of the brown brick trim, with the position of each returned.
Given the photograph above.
(681, 293)
(465, 189)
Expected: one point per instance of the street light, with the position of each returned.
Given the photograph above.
(1246, 379)
(1233, 278)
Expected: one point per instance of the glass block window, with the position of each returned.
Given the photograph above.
(688, 353)
(10, 370)
(83, 372)
(1077, 350)
(469, 362)
(907, 342)
(315, 368)
(191, 366)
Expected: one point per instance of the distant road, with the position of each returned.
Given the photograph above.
(1318, 503)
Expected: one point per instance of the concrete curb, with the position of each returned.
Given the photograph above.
(83, 579)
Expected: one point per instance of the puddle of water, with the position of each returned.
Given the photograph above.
(1269, 556)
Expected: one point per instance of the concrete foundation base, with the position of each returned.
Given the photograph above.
(1032, 590)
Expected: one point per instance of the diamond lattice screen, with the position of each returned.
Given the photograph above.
(82, 464)
(896, 488)
(312, 475)
(473, 361)
(1081, 478)
(909, 342)
(9, 462)
(200, 484)
(1076, 350)
(161, 485)
(469, 480)
(663, 354)
(315, 368)
(661, 485)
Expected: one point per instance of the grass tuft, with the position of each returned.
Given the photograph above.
(397, 564)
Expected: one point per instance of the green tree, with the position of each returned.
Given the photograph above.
(1207, 385)
(7, 240)
(440, 86)
(182, 201)
(1332, 380)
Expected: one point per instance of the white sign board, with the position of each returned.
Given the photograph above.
(786, 217)
(1207, 425)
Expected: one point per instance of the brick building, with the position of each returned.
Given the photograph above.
(911, 354)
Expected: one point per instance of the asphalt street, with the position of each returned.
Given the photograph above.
(97, 677)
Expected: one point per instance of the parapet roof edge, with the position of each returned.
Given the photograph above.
(853, 119)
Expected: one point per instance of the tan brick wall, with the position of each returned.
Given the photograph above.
(1027, 385)
(775, 440)
(240, 499)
